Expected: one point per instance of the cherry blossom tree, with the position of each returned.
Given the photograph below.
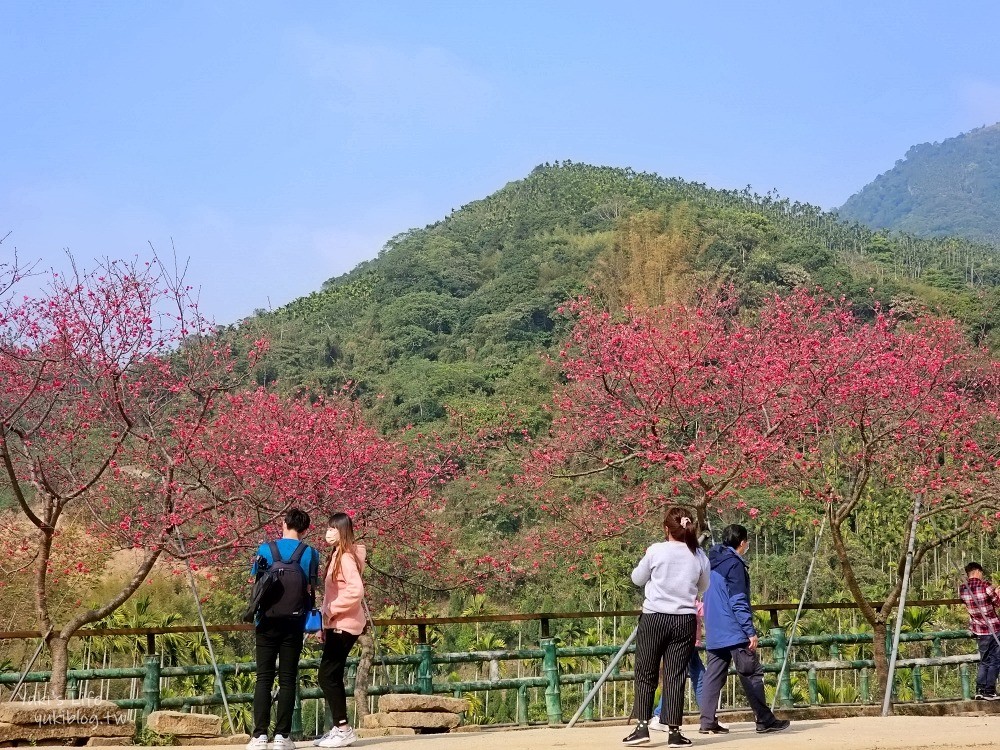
(898, 409)
(124, 419)
(323, 457)
(674, 404)
(696, 404)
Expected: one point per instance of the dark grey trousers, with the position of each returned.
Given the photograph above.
(751, 674)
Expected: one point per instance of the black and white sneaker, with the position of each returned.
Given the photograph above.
(716, 728)
(639, 736)
(676, 739)
(780, 725)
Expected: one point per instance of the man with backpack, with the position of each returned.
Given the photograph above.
(286, 570)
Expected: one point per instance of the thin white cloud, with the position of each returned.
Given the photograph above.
(382, 91)
(235, 265)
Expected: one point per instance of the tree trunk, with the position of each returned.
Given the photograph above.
(59, 653)
(881, 656)
(362, 678)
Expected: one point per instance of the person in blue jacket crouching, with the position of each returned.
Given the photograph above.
(730, 636)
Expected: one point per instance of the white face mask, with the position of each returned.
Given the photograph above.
(332, 536)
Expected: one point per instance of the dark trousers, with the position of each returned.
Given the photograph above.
(989, 665)
(670, 639)
(336, 647)
(276, 641)
(751, 674)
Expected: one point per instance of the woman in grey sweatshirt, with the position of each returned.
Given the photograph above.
(672, 573)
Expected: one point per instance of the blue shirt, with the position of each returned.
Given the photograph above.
(309, 562)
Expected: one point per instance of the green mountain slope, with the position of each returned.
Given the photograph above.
(947, 188)
(454, 317)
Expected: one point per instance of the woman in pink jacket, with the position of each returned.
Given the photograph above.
(343, 622)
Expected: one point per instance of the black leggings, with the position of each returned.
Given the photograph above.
(336, 647)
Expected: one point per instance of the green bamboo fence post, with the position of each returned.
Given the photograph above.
(813, 687)
(865, 691)
(550, 667)
(297, 715)
(918, 684)
(588, 712)
(522, 705)
(425, 670)
(784, 686)
(72, 689)
(963, 671)
(151, 686)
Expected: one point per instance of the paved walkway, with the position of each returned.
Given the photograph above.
(869, 733)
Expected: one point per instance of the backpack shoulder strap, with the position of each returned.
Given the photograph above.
(275, 552)
(299, 551)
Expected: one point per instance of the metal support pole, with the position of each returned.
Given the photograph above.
(887, 698)
(204, 629)
(31, 663)
(795, 622)
(603, 678)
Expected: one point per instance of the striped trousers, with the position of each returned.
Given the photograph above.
(668, 639)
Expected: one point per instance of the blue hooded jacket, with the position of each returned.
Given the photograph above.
(728, 617)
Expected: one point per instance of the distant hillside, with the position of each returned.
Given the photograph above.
(454, 317)
(948, 188)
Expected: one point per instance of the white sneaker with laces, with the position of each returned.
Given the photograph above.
(282, 743)
(316, 742)
(258, 743)
(341, 736)
(656, 726)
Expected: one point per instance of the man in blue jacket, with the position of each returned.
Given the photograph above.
(730, 636)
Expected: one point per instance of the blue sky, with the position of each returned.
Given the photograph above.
(276, 145)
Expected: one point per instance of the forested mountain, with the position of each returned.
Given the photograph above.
(455, 315)
(947, 188)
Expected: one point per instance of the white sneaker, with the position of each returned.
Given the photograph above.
(656, 726)
(316, 742)
(341, 736)
(282, 743)
(258, 743)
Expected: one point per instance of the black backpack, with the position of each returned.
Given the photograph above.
(281, 590)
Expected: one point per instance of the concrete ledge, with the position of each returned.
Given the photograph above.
(426, 703)
(84, 711)
(415, 719)
(39, 734)
(180, 724)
